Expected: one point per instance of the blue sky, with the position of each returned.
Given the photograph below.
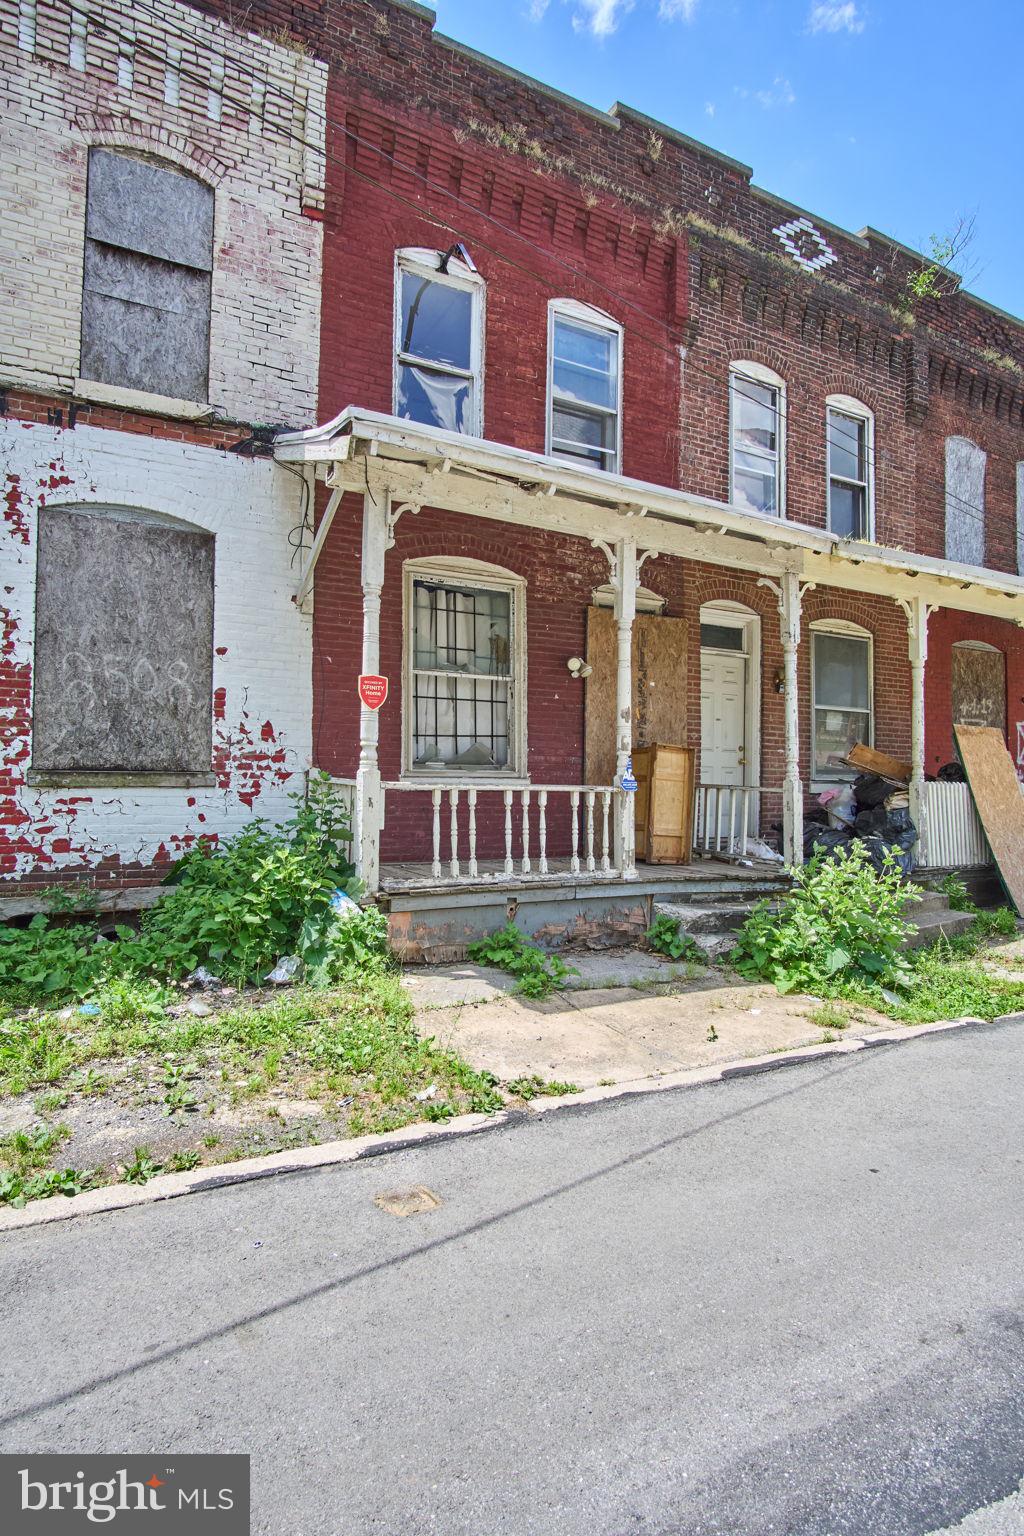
(901, 114)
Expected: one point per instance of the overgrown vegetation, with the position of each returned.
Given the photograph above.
(840, 923)
(666, 937)
(537, 974)
(840, 932)
(234, 909)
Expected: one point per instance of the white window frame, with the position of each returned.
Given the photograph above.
(423, 262)
(756, 373)
(850, 632)
(467, 573)
(848, 406)
(588, 318)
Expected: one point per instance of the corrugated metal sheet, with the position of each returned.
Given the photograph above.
(952, 830)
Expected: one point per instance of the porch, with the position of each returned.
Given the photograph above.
(470, 834)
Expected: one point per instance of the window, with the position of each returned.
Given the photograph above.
(757, 409)
(463, 646)
(850, 464)
(146, 286)
(438, 329)
(124, 644)
(965, 501)
(841, 696)
(1020, 519)
(584, 385)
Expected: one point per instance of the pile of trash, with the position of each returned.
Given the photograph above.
(874, 811)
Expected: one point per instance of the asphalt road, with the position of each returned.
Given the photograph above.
(789, 1303)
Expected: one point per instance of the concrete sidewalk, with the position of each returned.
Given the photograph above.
(629, 1015)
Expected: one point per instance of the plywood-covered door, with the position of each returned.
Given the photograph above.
(659, 687)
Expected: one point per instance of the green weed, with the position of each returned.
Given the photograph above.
(666, 938)
(537, 974)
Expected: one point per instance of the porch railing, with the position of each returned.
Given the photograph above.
(525, 813)
(724, 815)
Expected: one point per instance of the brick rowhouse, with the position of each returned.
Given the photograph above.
(428, 143)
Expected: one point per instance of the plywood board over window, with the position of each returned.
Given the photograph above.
(124, 644)
(979, 686)
(659, 687)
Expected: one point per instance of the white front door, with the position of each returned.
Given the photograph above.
(723, 717)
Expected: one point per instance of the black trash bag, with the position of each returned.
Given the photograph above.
(869, 790)
(901, 830)
(951, 773)
(818, 815)
(824, 840)
(869, 822)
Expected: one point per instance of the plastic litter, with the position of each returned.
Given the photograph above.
(343, 906)
(201, 977)
(89, 1010)
(198, 1007)
(759, 850)
(428, 1093)
(285, 971)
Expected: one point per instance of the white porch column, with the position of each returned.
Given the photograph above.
(918, 612)
(624, 580)
(369, 800)
(789, 595)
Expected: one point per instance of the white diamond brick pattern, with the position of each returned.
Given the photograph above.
(264, 351)
(799, 237)
(262, 692)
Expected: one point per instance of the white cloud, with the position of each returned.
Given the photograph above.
(709, 108)
(538, 9)
(601, 17)
(780, 94)
(835, 16)
(672, 10)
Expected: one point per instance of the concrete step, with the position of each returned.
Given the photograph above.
(927, 901)
(694, 919)
(936, 924)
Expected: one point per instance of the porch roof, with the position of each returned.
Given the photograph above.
(424, 466)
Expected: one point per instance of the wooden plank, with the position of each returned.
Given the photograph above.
(670, 817)
(869, 761)
(996, 791)
(659, 687)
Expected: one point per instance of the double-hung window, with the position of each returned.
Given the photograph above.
(850, 453)
(462, 650)
(438, 342)
(584, 385)
(757, 409)
(841, 687)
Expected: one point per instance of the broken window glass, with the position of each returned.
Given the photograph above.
(436, 352)
(147, 277)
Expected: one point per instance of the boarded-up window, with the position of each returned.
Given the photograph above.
(124, 644)
(965, 501)
(148, 265)
(979, 685)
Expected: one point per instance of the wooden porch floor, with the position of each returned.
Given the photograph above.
(400, 878)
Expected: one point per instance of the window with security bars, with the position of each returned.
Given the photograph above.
(584, 391)
(462, 676)
(848, 484)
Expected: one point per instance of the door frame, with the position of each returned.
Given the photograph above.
(739, 616)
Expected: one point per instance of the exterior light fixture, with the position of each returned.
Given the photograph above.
(578, 668)
(459, 250)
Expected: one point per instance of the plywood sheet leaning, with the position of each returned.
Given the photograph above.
(659, 687)
(998, 801)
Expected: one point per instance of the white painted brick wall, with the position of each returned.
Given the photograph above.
(261, 656)
(264, 157)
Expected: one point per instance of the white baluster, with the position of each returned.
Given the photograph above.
(542, 832)
(509, 864)
(435, 796)
(590, 831)
(606, 863)
(453, 801)
(472, 833)
(525, 866)
(745, 821)
(574, 811)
